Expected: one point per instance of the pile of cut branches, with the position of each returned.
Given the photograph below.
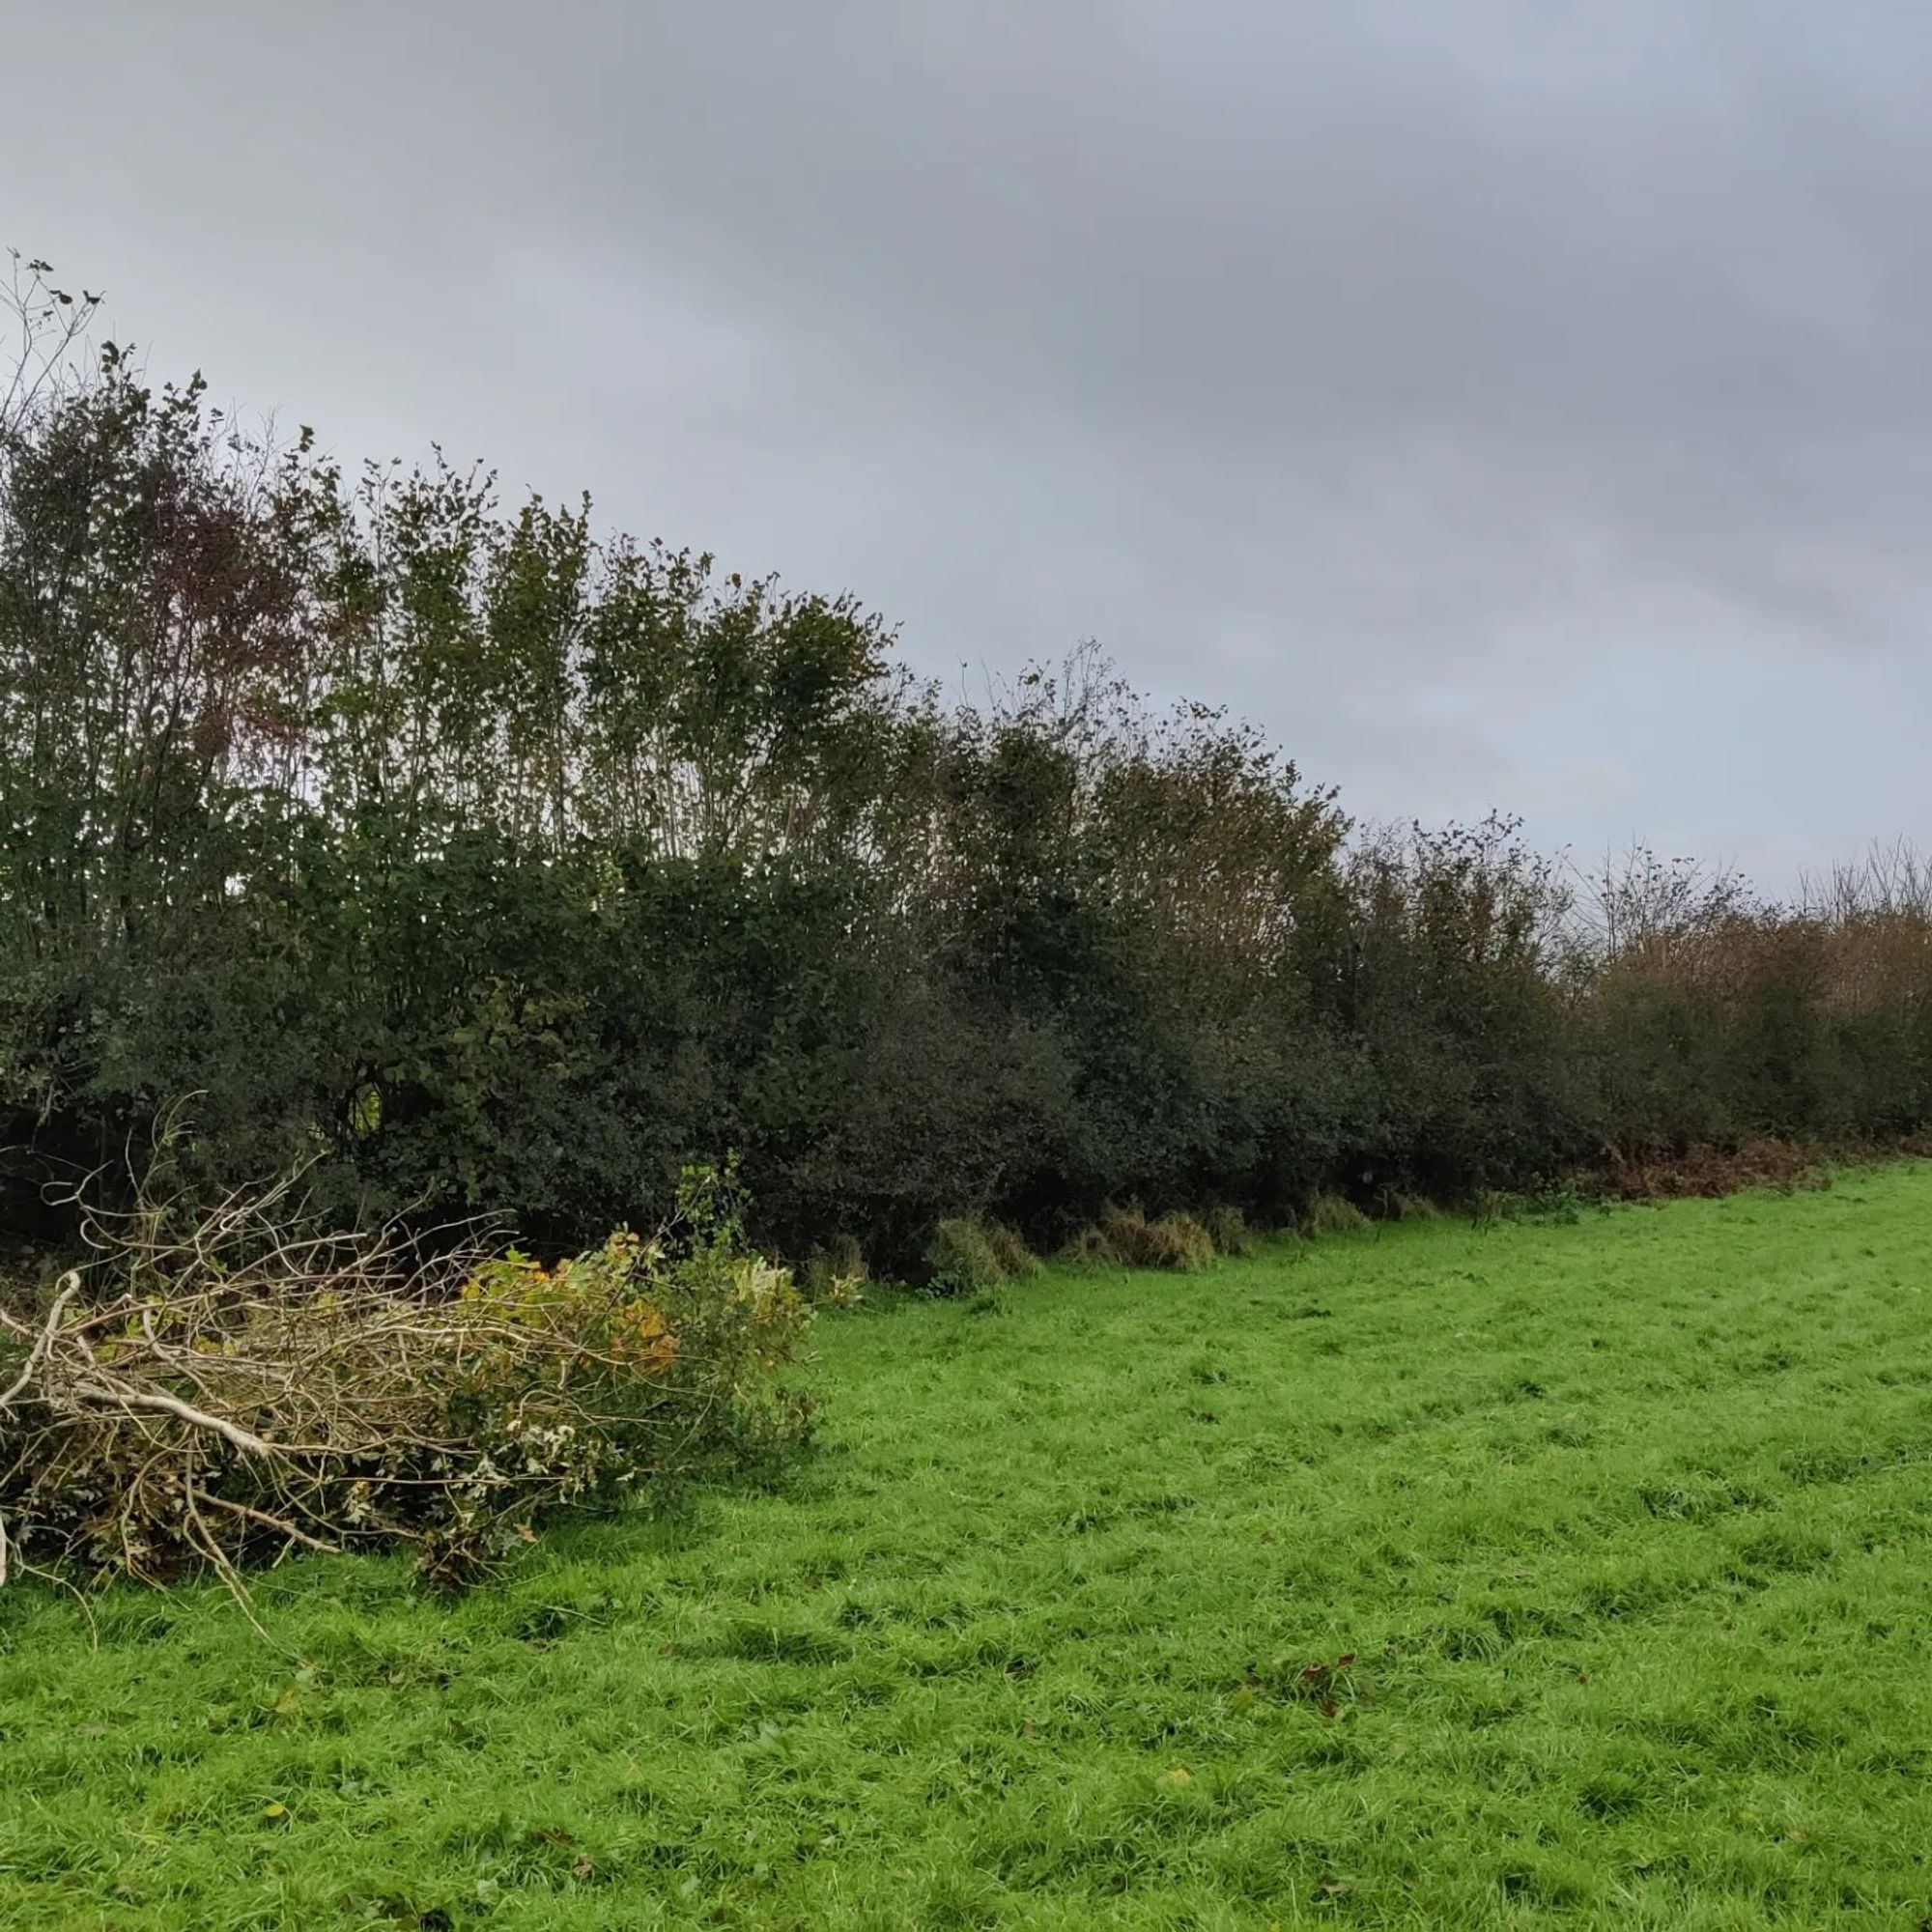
(225, 1387)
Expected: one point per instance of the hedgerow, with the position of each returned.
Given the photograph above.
(499, 865)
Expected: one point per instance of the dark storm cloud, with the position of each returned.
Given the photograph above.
(1504, 403)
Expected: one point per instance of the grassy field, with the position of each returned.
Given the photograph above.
(1626, 1525)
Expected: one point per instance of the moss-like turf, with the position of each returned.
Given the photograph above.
(1626, 1524)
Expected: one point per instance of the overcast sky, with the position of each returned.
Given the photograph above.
(1505, 404)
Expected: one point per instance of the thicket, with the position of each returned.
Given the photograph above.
(484, 860)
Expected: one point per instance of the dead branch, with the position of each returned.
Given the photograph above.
(243, 1382)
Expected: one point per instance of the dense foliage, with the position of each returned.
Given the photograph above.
(502, 863)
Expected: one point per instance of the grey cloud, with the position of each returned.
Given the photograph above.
(1505, 404)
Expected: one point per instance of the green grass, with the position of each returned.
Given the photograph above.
(1628, 1525)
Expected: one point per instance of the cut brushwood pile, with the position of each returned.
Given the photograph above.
(229, 1391)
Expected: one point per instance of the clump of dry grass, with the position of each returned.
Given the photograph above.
(1228, 1229)
(1017, 1262)
(965, 1255)
(1125, 1237)
(1335, 1215)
